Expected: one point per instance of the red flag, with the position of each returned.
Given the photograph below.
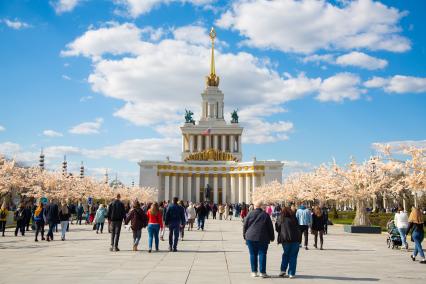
(206, 132)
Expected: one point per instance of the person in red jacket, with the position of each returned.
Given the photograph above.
(155, 223)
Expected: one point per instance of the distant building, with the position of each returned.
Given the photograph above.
(211, 166)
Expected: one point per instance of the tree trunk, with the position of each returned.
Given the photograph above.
(361, 216)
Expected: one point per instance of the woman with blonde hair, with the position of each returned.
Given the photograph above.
(64, 217)
(415, 222)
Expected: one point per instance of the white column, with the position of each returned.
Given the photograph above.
(240, 188)
(207, 142)
(174, 185)
(181, 187)
(224, 189)
(215, 189)
(166, 187)
(233, 189)
(239, 144)
(183, 143)
(224, 143)
(231, 144)
(263, 179)
(189, 188)
(191, 143)
(159, 186)
(197, 188)
(254, 183)
(215, 142)
(248, 190)
(199, 143)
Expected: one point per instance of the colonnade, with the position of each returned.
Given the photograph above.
(196, 143)
(225, 187)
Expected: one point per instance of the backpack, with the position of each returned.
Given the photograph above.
(20, 215)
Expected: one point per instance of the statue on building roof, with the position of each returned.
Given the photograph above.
(188, 117)
(234, 116)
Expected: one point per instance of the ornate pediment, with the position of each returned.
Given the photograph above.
(211, 155)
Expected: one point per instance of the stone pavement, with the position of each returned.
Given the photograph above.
(217, 255)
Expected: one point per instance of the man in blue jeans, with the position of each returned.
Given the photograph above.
(175, 219)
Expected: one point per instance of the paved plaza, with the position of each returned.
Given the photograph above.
(217, 255)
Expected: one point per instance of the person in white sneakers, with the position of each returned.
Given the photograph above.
(401, 223)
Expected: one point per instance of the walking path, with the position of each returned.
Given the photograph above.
(217, 255)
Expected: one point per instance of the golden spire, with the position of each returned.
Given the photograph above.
(212, 79)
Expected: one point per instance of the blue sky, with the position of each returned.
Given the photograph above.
(107, 82)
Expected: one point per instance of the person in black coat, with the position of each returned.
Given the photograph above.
(52, 218)
(20, 220)
(258, 231)
(290, 236)
(202, 212)
(28, 215)
(116, 213)
(318, 226)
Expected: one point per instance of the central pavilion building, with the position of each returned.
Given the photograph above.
(212, 157)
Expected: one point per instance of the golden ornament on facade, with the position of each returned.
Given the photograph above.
(211, 155)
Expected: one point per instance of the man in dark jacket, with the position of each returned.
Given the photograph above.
(52, 218)
(201, 216)
(258, 231)
(116, 213)
(175, 219)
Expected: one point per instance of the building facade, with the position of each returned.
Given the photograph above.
(211, 166)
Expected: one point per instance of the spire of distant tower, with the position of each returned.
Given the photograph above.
(82, 170)
(106, 176)
(212, 79)
(41, 164)
(64, 166)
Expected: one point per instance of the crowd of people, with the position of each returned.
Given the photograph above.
(261, 223)
(292, 223)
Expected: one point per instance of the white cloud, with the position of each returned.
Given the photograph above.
(327, 58)
(398, 84)
(63, 6)
(92, 127)
(65, 77)
(260, 132)
(16, 24)
(52, 133)
(2, 128)
(307, 26)
(138, 149)
(135, 8)
(362, 60)
(59, 151)
(158, 80)
(340, 87)
(86, 98)
(14, 150)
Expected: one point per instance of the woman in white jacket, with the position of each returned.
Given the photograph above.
(401, 222)
(190, 212)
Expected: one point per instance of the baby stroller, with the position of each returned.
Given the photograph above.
(394, 238)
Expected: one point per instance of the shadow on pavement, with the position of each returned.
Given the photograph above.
(339, 278)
